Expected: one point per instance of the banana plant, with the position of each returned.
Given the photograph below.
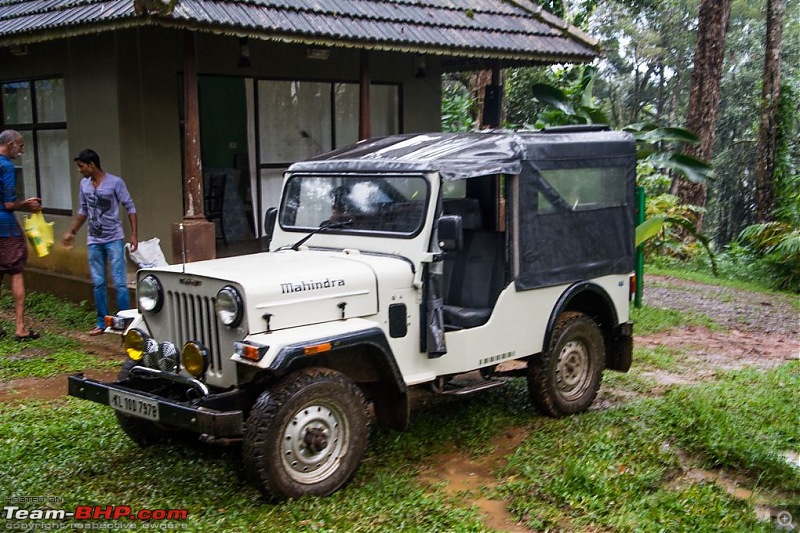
(578, 106)
(654, 225)
(649, 137)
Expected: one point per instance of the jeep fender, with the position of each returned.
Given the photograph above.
(138, 320)
(135, 320)
(592, 300)
(357, 348)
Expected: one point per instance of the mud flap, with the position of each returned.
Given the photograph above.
(621, 356)
(392, 408)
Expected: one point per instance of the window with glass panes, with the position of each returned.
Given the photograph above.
(37, 109)
(300, 119)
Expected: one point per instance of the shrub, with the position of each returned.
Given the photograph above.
(778, 245)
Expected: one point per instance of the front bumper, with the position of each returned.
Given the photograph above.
(185, 415)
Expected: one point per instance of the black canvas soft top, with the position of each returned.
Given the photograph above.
(560, 240)
(458, 156)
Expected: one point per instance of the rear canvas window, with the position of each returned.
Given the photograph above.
(584, 189)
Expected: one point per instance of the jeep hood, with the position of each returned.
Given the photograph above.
(292, 287)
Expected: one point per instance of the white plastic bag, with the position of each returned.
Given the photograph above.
(148, 254)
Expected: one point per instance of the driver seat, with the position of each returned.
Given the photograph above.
(474, 277)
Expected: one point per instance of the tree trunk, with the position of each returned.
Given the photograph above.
(770, 97)
(704, 96)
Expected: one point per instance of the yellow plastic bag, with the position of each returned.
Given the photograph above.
(39, 233)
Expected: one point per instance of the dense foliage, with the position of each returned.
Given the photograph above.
(644, 76)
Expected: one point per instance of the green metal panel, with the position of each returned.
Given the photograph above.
(639, 270)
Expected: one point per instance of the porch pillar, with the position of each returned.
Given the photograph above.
(194, 238)
(493, 99)
(364, 116)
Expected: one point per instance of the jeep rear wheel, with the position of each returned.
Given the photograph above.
(566, 378)
(306, 435)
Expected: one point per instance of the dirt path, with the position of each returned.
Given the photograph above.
(107, 347)
(760, 331)
(733, 309)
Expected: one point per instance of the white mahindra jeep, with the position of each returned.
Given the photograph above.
(396, 263)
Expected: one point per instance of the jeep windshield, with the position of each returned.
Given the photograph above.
(355, 204)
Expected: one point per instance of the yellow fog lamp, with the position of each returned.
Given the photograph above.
(135, 343)
(194, 358)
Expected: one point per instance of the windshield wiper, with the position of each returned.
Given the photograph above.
(324, 226)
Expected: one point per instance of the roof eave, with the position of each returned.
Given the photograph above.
(66, 32)
(133, 21)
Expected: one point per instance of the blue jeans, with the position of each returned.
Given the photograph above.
(99, 255)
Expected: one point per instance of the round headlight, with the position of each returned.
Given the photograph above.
(229, 307)
(194, 358)
(150, 293)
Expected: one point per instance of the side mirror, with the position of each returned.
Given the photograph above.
(270, 217)
(451, 233)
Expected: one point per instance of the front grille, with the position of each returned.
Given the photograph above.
(193, 318)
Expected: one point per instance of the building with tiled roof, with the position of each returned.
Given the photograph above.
(276, 81)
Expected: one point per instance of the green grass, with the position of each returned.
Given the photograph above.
(56, 313)
(630, 382)
(53, 353)
(660, 357)
(745, 422)
(650, 320)
(80, 455)
(612, 470)
(50, 355)
(604, 470)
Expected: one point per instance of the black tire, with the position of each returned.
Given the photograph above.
(306, 435)
(565, 379)
(146, 432)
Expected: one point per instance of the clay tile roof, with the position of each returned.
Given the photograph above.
(494, 29)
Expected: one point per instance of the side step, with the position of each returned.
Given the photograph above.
(455, 389)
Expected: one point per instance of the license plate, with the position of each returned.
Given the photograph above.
(133, 405)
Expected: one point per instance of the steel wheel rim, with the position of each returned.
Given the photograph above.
(314, 441)
(573, 370)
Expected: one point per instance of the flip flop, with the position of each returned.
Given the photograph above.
(97, 330)
(29, 337)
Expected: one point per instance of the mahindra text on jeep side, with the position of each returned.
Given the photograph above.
(399, 262)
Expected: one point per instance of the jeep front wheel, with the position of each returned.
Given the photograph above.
(306, 435)
(565, 379)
